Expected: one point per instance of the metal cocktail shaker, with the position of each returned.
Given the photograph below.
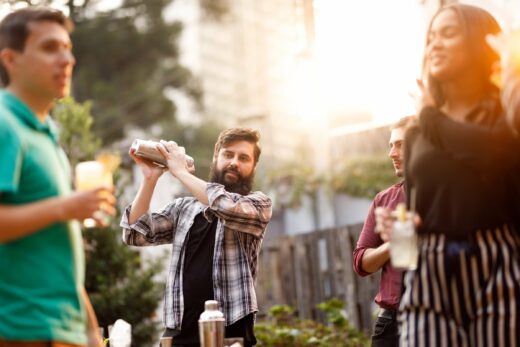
(148, 150)
(211, 326)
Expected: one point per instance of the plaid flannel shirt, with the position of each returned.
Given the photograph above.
(240, 230)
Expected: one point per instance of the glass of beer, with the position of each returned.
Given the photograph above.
(91, 175)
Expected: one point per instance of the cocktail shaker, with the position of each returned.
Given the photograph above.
(211, 325)
(148, 150)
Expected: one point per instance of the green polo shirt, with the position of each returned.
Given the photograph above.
(41, 275)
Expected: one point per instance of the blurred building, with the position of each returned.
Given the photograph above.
(248, 57)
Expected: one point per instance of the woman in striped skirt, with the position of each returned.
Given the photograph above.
(462, 161)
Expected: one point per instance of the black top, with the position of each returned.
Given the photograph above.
(197, 285)
(466, 176)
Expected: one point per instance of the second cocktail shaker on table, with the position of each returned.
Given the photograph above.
(211, 326)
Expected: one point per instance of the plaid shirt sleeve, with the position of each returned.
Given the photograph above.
(151, 229)
(243, 213)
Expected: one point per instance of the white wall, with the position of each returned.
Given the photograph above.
(333, 212)
(350, 210)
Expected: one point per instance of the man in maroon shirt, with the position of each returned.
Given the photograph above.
(372, 250)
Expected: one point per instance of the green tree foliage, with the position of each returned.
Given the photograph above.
(116, 283)
(364, 176)
(284, 329)
(118, 287)
(291, 180)
(360, 176)
(126, 59)
(76, 135)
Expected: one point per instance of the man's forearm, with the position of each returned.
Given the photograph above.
(374, 258)
(22, 220)
(141, 203)
(195, 185)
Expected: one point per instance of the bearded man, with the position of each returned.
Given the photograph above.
(216, 235)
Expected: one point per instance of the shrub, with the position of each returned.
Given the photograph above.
(284, 329)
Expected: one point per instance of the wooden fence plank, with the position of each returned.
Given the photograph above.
(304, 270)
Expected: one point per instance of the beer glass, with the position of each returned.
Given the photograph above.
(91, 175)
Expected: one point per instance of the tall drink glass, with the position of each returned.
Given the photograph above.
(404, 250)
(91, 175)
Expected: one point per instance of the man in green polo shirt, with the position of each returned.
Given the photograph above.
(42, 297)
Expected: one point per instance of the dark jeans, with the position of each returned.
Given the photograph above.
(386, 333)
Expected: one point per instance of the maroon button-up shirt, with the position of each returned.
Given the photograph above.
(390, 284)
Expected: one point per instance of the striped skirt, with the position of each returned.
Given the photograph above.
(464, 293)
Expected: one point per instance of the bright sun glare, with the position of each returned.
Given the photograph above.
(368, 56)
(368, 53)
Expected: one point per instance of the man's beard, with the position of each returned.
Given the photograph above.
(242, 186)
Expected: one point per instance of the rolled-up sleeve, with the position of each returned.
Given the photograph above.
(151, 229)
(243, 213)
(367, 239)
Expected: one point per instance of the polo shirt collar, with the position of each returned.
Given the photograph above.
(26, 115)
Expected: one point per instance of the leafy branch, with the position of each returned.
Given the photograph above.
(284, 329)
(363, 176)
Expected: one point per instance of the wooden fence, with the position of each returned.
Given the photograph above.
(304, 270)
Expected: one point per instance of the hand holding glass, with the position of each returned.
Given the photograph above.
(91, 175)
(404, 250)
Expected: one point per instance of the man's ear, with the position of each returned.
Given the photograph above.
(8, 59)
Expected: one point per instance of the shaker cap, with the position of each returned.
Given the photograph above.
(211, 305)
(211, 311)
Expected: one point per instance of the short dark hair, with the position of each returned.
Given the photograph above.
(14, 29)
(404, 122)
(477, 23)
(238, 134)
